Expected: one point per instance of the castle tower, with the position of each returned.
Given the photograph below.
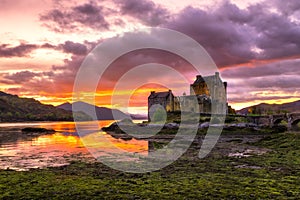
(199, 87)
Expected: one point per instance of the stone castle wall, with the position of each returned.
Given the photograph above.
(204, 92)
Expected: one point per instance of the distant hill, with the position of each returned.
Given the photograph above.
(101, 112)
(265, 108)
(14, 109)
(3, 94)
(139, 116)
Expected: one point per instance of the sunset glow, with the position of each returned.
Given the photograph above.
(255, 45)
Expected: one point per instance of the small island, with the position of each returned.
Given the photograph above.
(32, 131)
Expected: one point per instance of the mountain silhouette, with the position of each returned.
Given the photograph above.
(16, 109)
(102, 113)
(265, 108)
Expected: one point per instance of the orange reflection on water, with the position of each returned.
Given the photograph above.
(105, 142)
(68, 141)
(43, 151)
(132, 145)
(59, 126)
(54, 144)
(98, 140)
(63, 146)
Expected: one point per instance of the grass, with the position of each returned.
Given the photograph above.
(215, 177)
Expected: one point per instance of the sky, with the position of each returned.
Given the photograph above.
(255, 45)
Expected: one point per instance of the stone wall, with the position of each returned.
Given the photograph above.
(203, 92)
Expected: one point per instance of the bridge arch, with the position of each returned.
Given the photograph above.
(295, 122)
(279, 120)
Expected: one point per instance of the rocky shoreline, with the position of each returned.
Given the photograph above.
(168, 130)
(37, 131)
(10, 134)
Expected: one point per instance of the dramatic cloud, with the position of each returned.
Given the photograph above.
(227, 42)
(88, 15)
(58, 81)
(266, 82)
(277, 36)
(20, 77)
(65, 74)
(24, 50)
(74, 48)
(287, 8)
(279, 82)
(17, 51)
(232, 35)
(144, 10)
(48, 46)
(279, 68)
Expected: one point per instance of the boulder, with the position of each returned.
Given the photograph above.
(204, 125)
(241, 125)
(37, 131)
(171, 125)
(252, 125)
(111, 127)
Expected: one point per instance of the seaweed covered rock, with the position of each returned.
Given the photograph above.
(37, 131)
(115, 127)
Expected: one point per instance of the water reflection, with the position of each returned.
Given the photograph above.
(20, 152)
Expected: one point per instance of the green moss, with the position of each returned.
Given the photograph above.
(187, 178)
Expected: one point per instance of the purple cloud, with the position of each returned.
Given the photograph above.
(17, 51)
(20, 77)
(74, 48)
(146, 11)
(280, 68)
(287, 8)
(226, 41)
(233, 35)
(89, 15)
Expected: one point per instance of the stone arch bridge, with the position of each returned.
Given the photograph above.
(292, 119)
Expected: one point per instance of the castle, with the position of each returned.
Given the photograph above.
(207, 90)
